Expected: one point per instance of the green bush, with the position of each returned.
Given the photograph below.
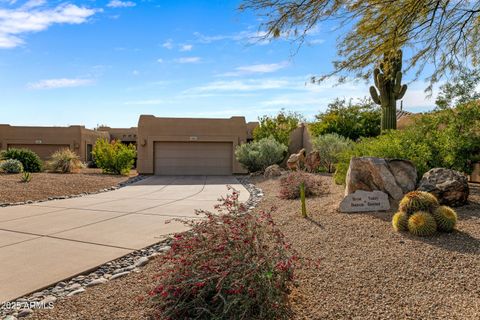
(278, 127)
(11, 166)
(448, 139)
(348, 119)
(65, 161)
(30, 160)
(257, 155)
(114, 157)
(330, 146)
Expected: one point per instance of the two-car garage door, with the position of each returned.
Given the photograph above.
(193, 158)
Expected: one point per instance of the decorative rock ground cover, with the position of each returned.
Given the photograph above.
(131, 263)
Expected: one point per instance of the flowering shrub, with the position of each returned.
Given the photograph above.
(231, 265)
(290, 185)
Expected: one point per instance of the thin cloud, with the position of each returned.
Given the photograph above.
(59, 83)
(30, 18)
(188, 60)
(256, 69)
(186, 47)
(121, 4)
(168, 44)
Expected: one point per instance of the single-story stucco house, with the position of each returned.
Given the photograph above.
(188, 146)
(46, 140)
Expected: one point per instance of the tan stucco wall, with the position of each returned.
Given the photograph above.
(152, 129)
(76, 137)
(122, 134)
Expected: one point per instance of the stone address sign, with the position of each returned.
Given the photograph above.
(364, 201)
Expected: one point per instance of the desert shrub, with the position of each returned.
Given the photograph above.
(30, 160)
(231, 265)
(279, 127)
(290, 185)
(349, 119)
(114, 157)
(447, 139)
(26, 177)
(257, 155)
(11, 166)
(330, 147)
(65, 161)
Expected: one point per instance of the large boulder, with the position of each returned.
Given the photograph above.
(273, 171)
(395, 177)
(449, 186)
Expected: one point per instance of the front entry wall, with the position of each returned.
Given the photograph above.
(193, 158)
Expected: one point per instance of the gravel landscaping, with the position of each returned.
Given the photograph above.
(367, 271)
(55, 185)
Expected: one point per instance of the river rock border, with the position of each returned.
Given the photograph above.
(118, 186)
(110, 270)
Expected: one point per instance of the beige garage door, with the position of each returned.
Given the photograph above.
(193, 158)
(44, 151)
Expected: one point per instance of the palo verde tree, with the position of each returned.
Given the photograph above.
(388, 82)
(440, 33)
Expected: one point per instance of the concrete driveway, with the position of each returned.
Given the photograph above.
(42, 244)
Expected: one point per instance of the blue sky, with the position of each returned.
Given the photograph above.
(106, 62)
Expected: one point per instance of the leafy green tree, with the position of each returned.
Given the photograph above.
(448, 138)
(440, 33)
(348, 119)
(114, 157)
(279, 127)
(462, 89)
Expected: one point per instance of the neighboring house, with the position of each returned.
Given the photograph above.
(125, 135)
(46, 140)
(187, 146)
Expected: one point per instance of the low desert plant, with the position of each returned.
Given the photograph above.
(233, 265)
(26, 177)
(446, 218)
(11, 166)
(330, 146)
(400, 221)
(257, 155)
(290, 185)
(422, 224)
(65, 161)
(418, 201)
(421, 215)
(30, 160)
(114, 157)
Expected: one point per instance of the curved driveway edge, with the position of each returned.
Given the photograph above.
(48, 242)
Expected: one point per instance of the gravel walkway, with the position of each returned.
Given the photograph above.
(47, 185)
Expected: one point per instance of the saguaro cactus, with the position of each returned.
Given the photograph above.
(388, 79)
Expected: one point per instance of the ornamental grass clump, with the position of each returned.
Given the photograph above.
(65, 161)
(421, 215)
(231, 265)
(290, 185)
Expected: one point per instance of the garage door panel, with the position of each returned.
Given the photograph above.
(193, 158)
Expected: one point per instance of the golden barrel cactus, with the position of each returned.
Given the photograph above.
(422, 224)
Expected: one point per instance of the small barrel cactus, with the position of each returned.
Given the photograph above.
(446, 218)
(400, 221)
(422, 224)
(418, 201)
(11, 166)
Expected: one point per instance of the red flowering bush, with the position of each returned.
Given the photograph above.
(231, 265)
(290, 185)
